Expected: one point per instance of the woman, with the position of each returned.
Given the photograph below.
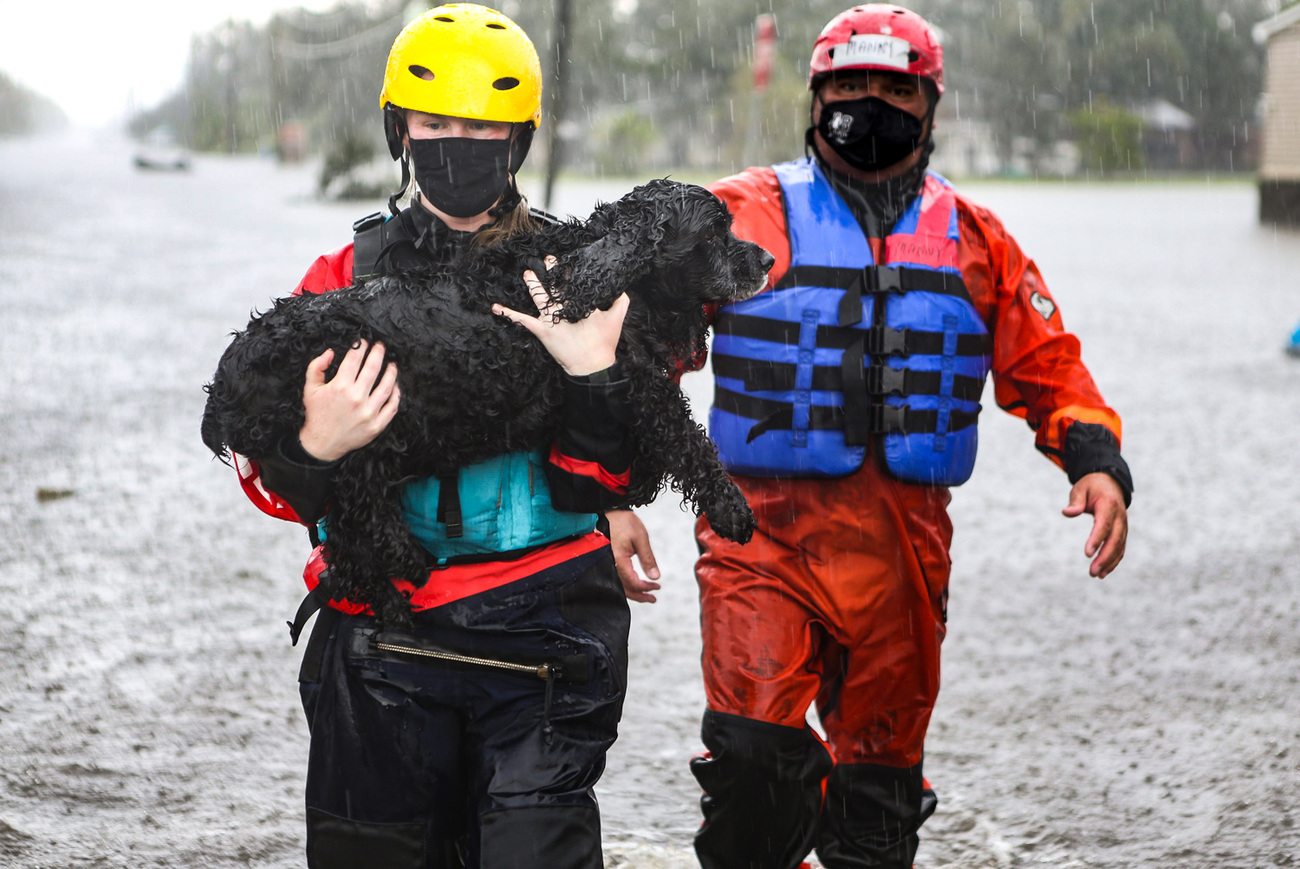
(476, 738)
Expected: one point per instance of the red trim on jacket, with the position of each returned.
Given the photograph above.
(616, 483)
(462, 580)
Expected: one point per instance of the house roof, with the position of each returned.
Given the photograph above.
(1264, 30)
(1164, 115)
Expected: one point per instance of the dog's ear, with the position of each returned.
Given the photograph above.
(600, 272)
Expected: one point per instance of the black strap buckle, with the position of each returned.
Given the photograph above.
(370, 221)
(883, 279)
(884, 341)
(889, 419)
(883, 380)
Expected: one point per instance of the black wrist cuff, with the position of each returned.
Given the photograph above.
(1091, 448)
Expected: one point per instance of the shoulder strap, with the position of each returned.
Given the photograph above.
(367, 244)
(544, 217)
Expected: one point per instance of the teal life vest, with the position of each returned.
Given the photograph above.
(845, 349)
(505, 504)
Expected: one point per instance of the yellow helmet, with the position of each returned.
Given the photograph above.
(466, 61)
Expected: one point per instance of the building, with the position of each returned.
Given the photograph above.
(1279, 167)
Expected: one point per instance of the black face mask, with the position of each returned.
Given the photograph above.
(869, 133)
(462, 177)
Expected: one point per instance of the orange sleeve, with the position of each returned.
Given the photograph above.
(1038, 372)
(330, 271)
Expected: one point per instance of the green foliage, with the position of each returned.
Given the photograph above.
(625, 141)
(665, 83)
(23, 111)
(1109, 137)
(348, 151)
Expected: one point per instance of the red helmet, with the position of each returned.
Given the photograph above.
(878, 36)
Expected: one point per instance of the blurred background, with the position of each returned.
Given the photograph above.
(167, 167)
(1036, 88)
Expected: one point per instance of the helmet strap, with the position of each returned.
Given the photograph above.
(406, 180)
(394, 130)
(508, 201)
(523, 140)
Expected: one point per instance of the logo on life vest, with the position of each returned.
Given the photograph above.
(1042, 304)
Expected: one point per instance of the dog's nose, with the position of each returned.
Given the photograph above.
(767, 260)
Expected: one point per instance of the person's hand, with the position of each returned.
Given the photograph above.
(1101, 496)
(353, 407)
(581, 348)
(628, 537)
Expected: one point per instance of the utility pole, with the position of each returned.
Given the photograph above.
(764, 51)
(559, 74)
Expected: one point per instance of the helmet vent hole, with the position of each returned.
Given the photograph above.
(497, 26)
(445, 18)
(913, 57)
(505, 84)
(421, 72)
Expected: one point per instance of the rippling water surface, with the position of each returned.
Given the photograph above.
(148, 706)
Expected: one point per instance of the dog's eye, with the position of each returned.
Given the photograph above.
(710, 237)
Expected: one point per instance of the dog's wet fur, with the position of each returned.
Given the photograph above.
(474, 385)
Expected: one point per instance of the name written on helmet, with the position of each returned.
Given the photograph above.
(872, 48)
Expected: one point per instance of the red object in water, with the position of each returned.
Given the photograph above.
(764, 50)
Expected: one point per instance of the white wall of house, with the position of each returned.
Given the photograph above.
(1280, 152)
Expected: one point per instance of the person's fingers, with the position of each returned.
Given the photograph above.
(618, 311)
(351, 362)
(1078, 502)
(640, 590)
(530, 323)
(384, 387)
(541, 297)
(316, 369)
(630, 539)
(1112, 546)
(373, 368)
(391, 404)
(645, 554)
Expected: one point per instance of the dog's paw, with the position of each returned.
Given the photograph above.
(393, 609)
(734, 524)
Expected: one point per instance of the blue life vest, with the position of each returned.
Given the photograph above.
(844, 349)
(504, 505)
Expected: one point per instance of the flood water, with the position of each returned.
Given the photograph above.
(148, 705)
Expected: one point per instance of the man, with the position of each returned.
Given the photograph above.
(846, 403)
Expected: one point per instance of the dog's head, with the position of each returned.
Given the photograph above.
(674, 240)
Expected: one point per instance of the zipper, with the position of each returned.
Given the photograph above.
(541, 671)
(544, 671)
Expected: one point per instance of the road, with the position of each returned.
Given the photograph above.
(148, 706)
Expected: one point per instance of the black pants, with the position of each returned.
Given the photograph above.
(765, 808)
(419, 762)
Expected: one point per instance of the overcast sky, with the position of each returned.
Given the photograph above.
(93, 57)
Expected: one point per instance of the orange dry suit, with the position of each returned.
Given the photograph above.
(840, 392)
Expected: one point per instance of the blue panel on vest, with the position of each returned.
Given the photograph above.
(823, 232)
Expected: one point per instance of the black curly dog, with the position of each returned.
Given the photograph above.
(475, 385)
